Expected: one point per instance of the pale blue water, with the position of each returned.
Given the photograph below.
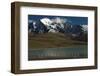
(58, 53)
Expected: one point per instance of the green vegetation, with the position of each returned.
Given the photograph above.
(52, 40)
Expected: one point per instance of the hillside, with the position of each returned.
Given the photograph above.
(51, 40)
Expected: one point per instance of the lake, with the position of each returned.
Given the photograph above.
(71, 52)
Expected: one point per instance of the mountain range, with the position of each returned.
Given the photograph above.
(58, 25)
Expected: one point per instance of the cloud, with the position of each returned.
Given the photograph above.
(30, 21)
(59, 20)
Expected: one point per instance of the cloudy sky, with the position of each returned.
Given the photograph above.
(71, 19)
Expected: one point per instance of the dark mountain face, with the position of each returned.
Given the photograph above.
(76, 29)
(37, 28)
(77, 33)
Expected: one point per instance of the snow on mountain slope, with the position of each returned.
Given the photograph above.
(56, 25)
(46, 21)
(84, 28)
(53, 24)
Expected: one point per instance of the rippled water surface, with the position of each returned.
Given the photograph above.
(71, 52)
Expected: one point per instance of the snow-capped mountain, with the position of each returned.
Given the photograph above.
(56, 25)
(84, 28)
(49, 24)
(52, 25)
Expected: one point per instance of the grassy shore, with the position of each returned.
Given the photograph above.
(51, 40)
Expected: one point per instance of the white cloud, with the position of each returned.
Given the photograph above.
(30, 21)
(59, 20)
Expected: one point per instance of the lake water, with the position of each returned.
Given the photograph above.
(71, 52)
